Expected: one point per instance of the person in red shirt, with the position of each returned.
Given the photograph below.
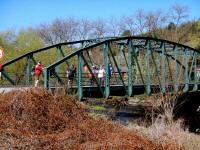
(38, 72)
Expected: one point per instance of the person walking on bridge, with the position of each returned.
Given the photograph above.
(38, 72)
(71, 72)
(110, 71)
(101, 73)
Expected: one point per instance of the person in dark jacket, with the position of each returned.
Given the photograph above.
(71, 74)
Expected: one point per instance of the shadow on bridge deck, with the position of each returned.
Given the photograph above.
(119, 90)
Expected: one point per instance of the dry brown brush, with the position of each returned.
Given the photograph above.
(37, 119)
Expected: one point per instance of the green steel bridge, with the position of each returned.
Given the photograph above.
(140, 65)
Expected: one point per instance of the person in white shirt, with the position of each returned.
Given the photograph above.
(101, 73)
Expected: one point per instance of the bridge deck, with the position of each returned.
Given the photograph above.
(94, 91)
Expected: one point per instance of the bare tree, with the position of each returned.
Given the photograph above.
(150, 22)
(179, 14)
(9, 35)
(45, 32)
(154, 22)
(84, 29)
(114, 27)
(57, 29)
(99, 28)
(70, 29)
(140, 21)
(128, 24)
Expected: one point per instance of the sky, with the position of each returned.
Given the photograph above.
(16, 14)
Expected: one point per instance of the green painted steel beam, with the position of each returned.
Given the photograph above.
(46, 78)
(74, 54)
(138, 65)
(118, 70)
(170, 72)
(96, 40)
(130, 82)
(90, 71)
(28, 70)
(112, 39)
(62, 54)
(191, 67)
(156, 69)
(80, 76)
(125, 58)
(148, 78)
(180, 73)
(5, 75)
(175, 71)
(107, 83)
(55, 74)
(195, 88)
(32, 58)
(121, 56)
(163, 74)
(90, 59)
(186, 88)
(116, 79)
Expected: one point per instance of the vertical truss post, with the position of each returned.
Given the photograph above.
(176, 71)
(80, 73)
(134, 63)
(46, 78)
(195, 88)
(163, 69)
(191, 66)
(106, 59)
(80, 76)
(121, 56)
(148, 78)
(130, 82)
(186, 88)
(28, 70)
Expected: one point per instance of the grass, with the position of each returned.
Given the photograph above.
(100, 108)
(164, 134)
(164, 130)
